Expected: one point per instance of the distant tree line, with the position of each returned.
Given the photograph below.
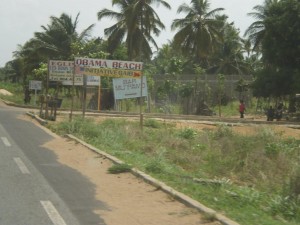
(205, 42)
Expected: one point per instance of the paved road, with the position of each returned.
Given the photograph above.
(34, 188)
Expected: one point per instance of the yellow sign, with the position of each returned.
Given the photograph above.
(108, 72)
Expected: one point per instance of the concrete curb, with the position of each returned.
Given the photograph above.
(39, 119)
(18, 105)
(158, 184)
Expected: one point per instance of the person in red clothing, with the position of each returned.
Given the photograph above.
(242, 109)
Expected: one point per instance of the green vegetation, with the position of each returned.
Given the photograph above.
(264, 63)
(254, 179)
(119, 168)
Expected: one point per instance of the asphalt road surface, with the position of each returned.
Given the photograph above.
(35, 189)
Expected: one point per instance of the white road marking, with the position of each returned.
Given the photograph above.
(52, 213)
(21, 166)
(5, 141)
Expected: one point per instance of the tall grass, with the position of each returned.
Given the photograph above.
(261, 171)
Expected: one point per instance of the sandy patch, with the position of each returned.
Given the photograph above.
(5, 92)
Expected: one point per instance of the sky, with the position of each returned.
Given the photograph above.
(19, 19)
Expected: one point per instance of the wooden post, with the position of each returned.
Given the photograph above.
(72, 100)
(84, 96)
(99, 94)
(47, 86)
(141, 103)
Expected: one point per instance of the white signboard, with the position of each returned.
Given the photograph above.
(129, 88)
(63, 71)
(35, 85)
(108, 68)
(92, 80)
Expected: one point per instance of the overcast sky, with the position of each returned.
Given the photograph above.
(19, 19)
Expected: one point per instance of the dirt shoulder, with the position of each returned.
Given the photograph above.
(130, 200)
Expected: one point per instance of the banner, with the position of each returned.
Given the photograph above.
(129, 88)
(108, 68)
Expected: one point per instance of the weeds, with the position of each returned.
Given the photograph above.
(187, 133)
(154, 166)
(209, 217)
(119, 168)
(285, 206)
(152, 123)
(294, 184)
(260, 167)
(222, 131)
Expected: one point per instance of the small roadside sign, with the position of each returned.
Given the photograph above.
(35, 85)
(129, 88)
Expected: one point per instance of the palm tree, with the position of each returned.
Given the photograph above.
(256, 31)
(30, 58)
(229, 58)
(136, 22)
(57, 38)
(199, 31)
(55, 42)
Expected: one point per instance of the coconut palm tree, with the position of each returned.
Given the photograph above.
(55, 42)
(136, 23)
(229, 58)
(57, 38)
(256, 31)
(199, 31)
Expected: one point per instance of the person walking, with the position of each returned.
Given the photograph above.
(242, 109)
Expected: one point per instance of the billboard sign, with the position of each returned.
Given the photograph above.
(62, 71)
(108, 68)
(129, 88)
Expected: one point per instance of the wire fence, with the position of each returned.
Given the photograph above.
(170, 94)
(186, 94)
